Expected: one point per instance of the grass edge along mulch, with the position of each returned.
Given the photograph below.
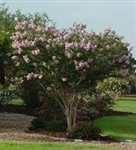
(118, 127)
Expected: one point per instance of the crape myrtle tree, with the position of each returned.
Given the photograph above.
(67, 62)
(7, 27)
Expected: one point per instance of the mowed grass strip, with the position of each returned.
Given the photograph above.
(118, 127)
(125, 104)
(49, 146)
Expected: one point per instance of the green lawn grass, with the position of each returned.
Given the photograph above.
(126, 104)
(48, 146)
(119, 127)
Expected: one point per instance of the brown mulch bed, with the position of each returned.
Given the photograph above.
(64, 135)
(15, 120)
(31, 112)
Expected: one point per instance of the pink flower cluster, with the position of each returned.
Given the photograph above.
(79, 26)
(36, 52)
(47, 47)
(81, 64)
(32, 75)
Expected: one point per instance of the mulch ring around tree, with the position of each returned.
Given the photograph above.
(59, 135)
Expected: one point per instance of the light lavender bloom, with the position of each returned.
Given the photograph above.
(86, 64)
(29, 76)
(49, 89)
(54, 57)
(131, 48)
(36, 75)
(88, 46)
(33, 26)
(19, 50)
(17, 64)
(90, 60)
(66, 36)
(77, 45)
(49, 41)
(127, 62)
(44, 64)
(23, 44)
(107, 30)
(26, 59)
(81, 64)
(113, 31)
(33, 43)
(69, 55)
(76, 62)
(40, 76)
(14, 45)
(36, 52)
(47, 47)
(69, 45)
(56, 62)
(126, 44)
(77, 67)
(38, 28)
(35, 64)
(42, 39)
(78, 54)
(14, 57)
(64, 79)
(108, 46)
(82, 45)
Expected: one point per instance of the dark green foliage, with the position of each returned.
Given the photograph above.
(31, 98)
(85, 131)
(48, 124)
(7, 94)
(96, 106)
(55, 125)
(30, 94)
(102, 103)
(37, 123)
(49, 119)
(86, 114)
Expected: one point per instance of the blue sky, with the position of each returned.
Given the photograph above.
(120, 15)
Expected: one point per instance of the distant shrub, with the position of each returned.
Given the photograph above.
(7, 94)
(85, 131)
(95, 106)
(113, 86)
(86, 114)
(102, 103)
(49, 125)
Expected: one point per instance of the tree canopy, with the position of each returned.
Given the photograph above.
(68, 61)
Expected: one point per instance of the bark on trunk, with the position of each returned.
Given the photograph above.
(68, 103)
(72, 103)
(69, 121)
